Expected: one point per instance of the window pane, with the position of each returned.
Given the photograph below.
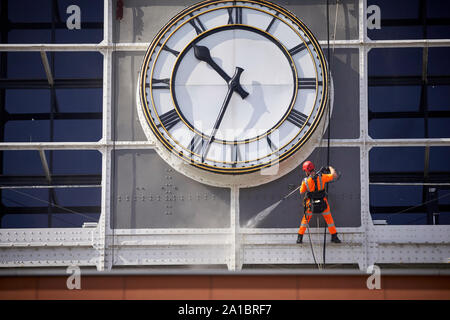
(440, 159)
(401, 98)
(403, 219)
(78, 130)
(29, 36)
(71, 110)
(79, 65)
(411, 19)
(439, 128)
(396, 128)
(438, 61)
(385, 195)
(30, 11)
(24, 65)
(395, 62)
(22, 162)
(79, 100)
(403, 102)
(34, 208)
(27, 131)
(31, 21)
(77, 162)
(74, 199)
(60, 162)
(402, 192)
(18, 101)
(396, 159)
(439, 98)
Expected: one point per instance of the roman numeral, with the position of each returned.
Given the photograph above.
(308, 83)
(159, 84)
(169, 119)
(237, 16)
(197, 25)
(272, 146)
(297, 118)
(196, 145)
(235, 154)
(298, 48)
(271, 23)
(174, 52)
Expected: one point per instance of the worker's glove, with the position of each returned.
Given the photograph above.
(326, 170)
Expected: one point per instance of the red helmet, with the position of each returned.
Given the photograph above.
(308, 166)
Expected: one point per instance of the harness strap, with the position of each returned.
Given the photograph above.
(306, 184)
(319, 187)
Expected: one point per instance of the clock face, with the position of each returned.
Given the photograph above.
(233, 86)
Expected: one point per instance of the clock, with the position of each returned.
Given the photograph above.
(230, 89)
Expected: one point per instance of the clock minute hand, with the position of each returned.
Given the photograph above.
(232, 86)
(202, 53)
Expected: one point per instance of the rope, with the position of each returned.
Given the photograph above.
(310, 242)
(329, 106)
(328, 111)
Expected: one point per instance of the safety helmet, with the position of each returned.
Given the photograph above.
(308, 166)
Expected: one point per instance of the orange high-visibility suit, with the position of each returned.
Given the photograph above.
(320, 182)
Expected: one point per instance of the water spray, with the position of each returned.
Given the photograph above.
(253, 222)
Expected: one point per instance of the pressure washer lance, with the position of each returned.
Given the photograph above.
(253, 222)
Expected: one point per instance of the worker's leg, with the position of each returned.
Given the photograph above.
(330, 222)
(304, 223)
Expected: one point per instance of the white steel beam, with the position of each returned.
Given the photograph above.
(50, 145)
(143, 46)
(103, 229)
(234, 256)
(53, 187)
(431, 142)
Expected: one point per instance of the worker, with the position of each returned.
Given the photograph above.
(315, 200)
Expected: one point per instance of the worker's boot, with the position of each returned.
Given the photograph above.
(300, 238)
(335, 239)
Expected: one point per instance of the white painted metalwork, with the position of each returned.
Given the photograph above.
(143, 46)
(234, 247)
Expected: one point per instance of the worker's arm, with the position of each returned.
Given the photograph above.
(303, 187)
(333, 172)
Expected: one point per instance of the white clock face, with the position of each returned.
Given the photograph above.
(233, 86)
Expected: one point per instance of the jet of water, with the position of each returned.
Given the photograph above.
(253, 222)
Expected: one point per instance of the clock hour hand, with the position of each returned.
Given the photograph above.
(202, 53)
(232, 86)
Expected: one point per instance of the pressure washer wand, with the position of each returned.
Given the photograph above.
(287, 196)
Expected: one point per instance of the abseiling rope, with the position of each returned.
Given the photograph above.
(324, 127)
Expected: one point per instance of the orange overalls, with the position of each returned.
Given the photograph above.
(321, 181)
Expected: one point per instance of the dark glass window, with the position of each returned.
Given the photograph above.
(33, 208)
(407, 93)
(70, 109)
(410, 185)
(45, 21)
(411, 19)
(68, 194)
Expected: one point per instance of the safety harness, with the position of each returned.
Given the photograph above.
(317, 203)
